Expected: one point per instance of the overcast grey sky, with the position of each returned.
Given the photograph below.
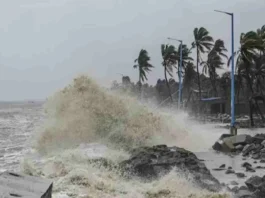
(45, 43)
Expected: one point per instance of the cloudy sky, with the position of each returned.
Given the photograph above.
(45, 43)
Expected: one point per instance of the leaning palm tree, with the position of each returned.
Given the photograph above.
(202, 41)
(143, 66)
(185, 57)
(249, 46)
(261, 33)
(188, 81)
(214, 62)
(169, 55)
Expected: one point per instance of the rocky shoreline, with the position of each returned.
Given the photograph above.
(150, 163)
(249, 147)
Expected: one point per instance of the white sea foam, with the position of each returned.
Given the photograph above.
(89, 130)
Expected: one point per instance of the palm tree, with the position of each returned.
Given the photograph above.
(188, 80)
(169, 55)
(143, 65)
(249, 45)
(214, 62)
(185, 56)
(261, 33)
(202, 42)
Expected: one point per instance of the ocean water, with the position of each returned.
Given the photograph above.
(82, 131)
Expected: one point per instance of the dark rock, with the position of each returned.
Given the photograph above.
(262, 150)
(230, 171)
(245, 148)
(258, 148)
(222, 166)
(243, 188)
(150, 163)
(255, 162)
(240, 175)
(262, 161)
(262, 156)
(263, 143)
(260, 167)
(218, 169)
(233, 183)
(227, 143)
(258, 138)
(248, 149)
(246, 164)
(244, 194)
(235, 189)
(250, 169)
(253, 183)
(229, 168)
(256, 156)
(244, 158)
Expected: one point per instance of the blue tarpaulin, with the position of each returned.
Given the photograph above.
(211, 99)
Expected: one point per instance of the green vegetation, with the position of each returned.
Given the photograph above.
(206, 77)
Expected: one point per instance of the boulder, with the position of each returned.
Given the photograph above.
(256, 156)
(244, 194)
(253, 183)
(258, 148)
(222, 166)
(231, 143)
(262, 156)
(246, 164)
(250, 169)
(153, 162)
(229, 171)
(248, 149)
(262, 150)
(239, 139)
(256, 184)
(233, 183)
(240, 175)
(258, 138)
(243, 188)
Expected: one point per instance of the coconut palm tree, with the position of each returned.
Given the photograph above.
(143, 66)
(169, 55)
(261, 33)
(249, 46)
(185, 57)
(214, 62)
(188, 81)
(202, 41)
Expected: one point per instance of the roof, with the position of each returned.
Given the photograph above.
(211, 99)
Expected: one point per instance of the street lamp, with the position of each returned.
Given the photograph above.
(179, 72)
(233, 129)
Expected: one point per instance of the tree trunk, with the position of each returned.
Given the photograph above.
(169, 91)
(198, 74)
(259, 111)
(212, 78)
(251, 113)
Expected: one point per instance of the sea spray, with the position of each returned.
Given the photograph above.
(84, 112)
(89, 130)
